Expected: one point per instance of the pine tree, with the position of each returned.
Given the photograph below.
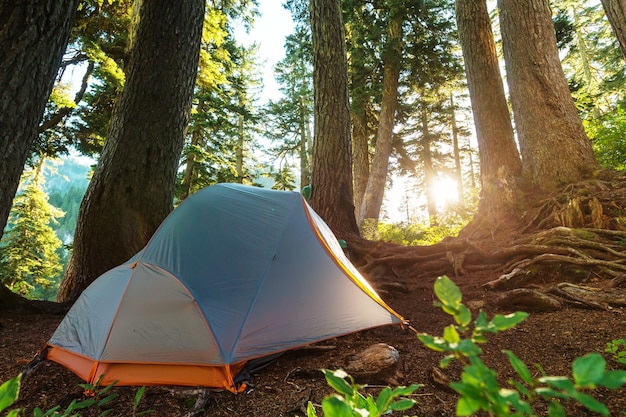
(290, 118)
(332, 195)
(29, 260)
(220, 145)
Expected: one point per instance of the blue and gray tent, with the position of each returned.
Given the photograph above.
(234, 274)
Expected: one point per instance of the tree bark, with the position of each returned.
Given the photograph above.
(497, 149)
(458, 169)
(190, 160)
(375, 189)
(33, 37)
(428, 170)
(616, 13)
(545, 115)
(360, 151)
(360, 75)
(305, 168)
(132, 188)
(332, 195)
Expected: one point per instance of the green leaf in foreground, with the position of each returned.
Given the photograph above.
(334, 406)
(336, 380)
(520, 367)
(447, 292)
(588, 370)
(9, 392)
(591, 403)
(508, 321)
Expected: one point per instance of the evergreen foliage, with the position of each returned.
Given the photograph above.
(65, 186)
(223, 137)
(221, 141)
(283, 179)
(290, 118)
(29, 259)
(608, 135)
(596, 74)
(98, 49)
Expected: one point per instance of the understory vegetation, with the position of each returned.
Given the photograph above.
(479, 388)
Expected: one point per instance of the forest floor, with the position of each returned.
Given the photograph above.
(552, 339)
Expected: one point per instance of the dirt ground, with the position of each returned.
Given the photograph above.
(284, 388)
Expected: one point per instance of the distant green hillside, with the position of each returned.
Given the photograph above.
(65, 183)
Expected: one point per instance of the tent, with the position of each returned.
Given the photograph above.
(233, 274)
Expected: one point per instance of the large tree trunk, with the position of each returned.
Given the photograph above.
(375, 190)
(456, 151)
(544, 112)
(190, 160)
(616, 13)
(360, 157)
(361, 73)
(33, 37)
(132, 189)
(428, 170)
(332, 195)
(496, 142)
(360, 104)
(305, 166)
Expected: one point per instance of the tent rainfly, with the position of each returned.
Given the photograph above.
(234, 274)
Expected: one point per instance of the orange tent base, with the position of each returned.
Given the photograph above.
(138, 374)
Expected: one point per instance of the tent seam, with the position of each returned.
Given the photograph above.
(117, 310)
(268, 264)
(197, 307)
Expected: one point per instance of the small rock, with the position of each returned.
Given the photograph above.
(377, 363)
(475, 304)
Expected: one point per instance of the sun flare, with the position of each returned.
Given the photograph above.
(445, 191)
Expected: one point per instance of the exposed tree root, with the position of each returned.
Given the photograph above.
(576, 236)
(11, 301)
(590, 296)
(525, 297)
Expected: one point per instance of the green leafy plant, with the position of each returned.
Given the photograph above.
(479, 387)
(9, 393)
(617, 348)
(101, 395)
(349, 402)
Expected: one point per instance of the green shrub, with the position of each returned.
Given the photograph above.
(479, 387)
(349, 402)
(617, 348)
(9, 393)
